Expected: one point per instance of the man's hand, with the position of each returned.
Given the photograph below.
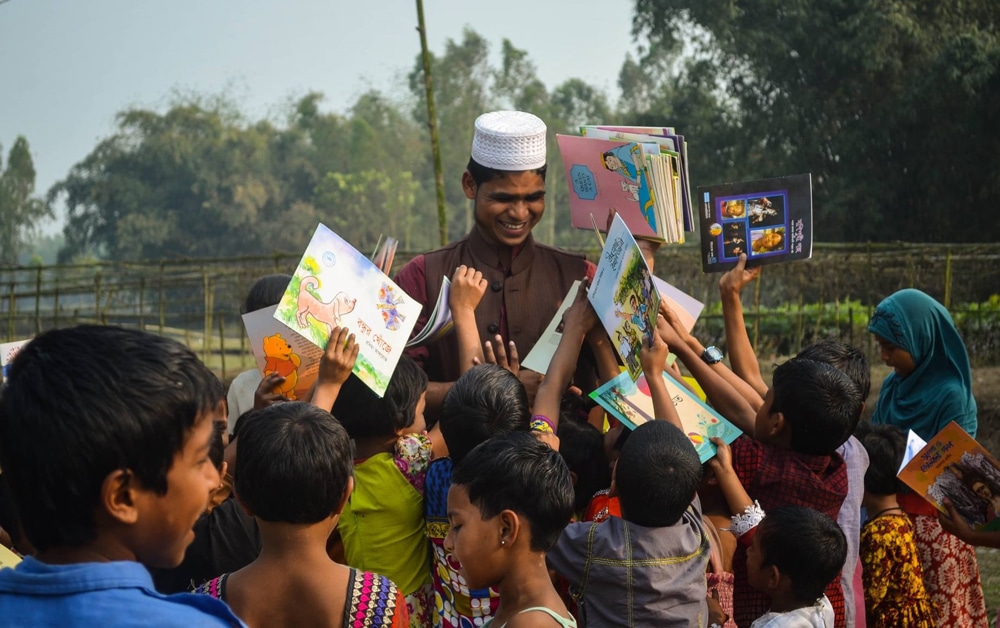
(467, 289)
(733, 281)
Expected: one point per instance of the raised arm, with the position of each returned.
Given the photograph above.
(578, 320)
(741, 354)
(467, 288)
(335, 367)
(654, 360)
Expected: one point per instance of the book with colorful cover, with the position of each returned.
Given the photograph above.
(604, 175)
(336, 286)
(624, 297)
(278, 349)
(770, 220)
(541, 354)
(7, 352)
(954, 465)
(630, 402)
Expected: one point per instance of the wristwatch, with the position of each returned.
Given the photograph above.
(712, 355)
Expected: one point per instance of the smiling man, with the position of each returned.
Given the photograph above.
(505, 179)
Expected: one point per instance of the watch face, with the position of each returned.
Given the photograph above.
(713, 355)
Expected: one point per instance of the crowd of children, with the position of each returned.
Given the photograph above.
(138, 496)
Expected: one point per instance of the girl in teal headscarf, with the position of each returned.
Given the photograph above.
(931, 386)
(932, 382)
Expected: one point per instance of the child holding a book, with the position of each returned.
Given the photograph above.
(131, 415)
(510, 498)
(893, 578)
(294, 474)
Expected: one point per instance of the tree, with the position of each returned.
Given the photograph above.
(20, 211)
(869, 97)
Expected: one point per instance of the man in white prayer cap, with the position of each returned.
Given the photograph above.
(505, 179)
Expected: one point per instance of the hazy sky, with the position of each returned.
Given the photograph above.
(67, 66)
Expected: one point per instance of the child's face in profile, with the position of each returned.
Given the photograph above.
(762, 424)
(475, 542)
(756, 572)
(163, 528)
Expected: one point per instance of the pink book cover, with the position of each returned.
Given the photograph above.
(604, 175)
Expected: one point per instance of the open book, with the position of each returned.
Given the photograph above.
(624, 297)
(954, 465)
(336, 286)
(770, 220)
(631, 403)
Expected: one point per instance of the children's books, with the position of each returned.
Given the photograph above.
(954, 465)
(281, 350)
(439, 323)
(624, 297)
(540, 356)
(336, 286)
(637, 175)
(770, 220)
(7, 352)
(631, 403)
(687, 308)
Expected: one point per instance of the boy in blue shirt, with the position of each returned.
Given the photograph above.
(104, 442)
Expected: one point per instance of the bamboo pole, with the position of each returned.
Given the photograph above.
(425, 56)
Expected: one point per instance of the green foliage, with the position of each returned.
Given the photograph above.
(20, 211)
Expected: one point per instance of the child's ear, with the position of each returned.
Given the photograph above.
(773, 580)
(347, 494)
(777, 426)
(510, 527)
(574, 477)
(118, 496)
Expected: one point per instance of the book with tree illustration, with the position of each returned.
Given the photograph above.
(624, 297)
(281, 350)
(770, 220)
(954, 465)
(336, 286)
(631, 403)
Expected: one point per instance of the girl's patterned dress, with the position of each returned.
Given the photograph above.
(893, 580)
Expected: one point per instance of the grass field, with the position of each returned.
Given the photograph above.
(989, 571)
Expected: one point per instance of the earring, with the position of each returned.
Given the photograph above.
(503, 542)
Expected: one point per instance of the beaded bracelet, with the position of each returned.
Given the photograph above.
(541, 423)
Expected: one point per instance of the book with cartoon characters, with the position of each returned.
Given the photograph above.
(281, 350)
(336, 286)
(624, 296)
(770, 220)
(629, 177)
(631, 403)
(954, 465)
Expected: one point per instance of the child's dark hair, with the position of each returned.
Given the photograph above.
(217, 448)
(83, 402)
(364, 414)
(885, 445)
(293, 463)
(517, 472)
(850, 360)
(265, 292)
(820, 403)
(657, 474)
(486, 401)
(481, 174)
(582, 447)
(805, 545)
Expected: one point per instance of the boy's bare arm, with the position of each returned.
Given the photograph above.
(736, 496)
(654, 360)
(467, 288)
(741, 354)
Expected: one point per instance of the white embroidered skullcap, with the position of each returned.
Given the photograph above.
(509, 140)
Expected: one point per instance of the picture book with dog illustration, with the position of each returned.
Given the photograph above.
(769, 220)
(336, 286)
(624, 296)
(954, 465)
(630, 402)
(281, 350)
(634, 178)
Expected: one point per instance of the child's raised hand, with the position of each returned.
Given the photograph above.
(338, 359)
(580, 314)
(494, 353)
(722, 461)
(654, 359)
(674, 331)
(738, 277)
(467, 288)
(266, 395)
